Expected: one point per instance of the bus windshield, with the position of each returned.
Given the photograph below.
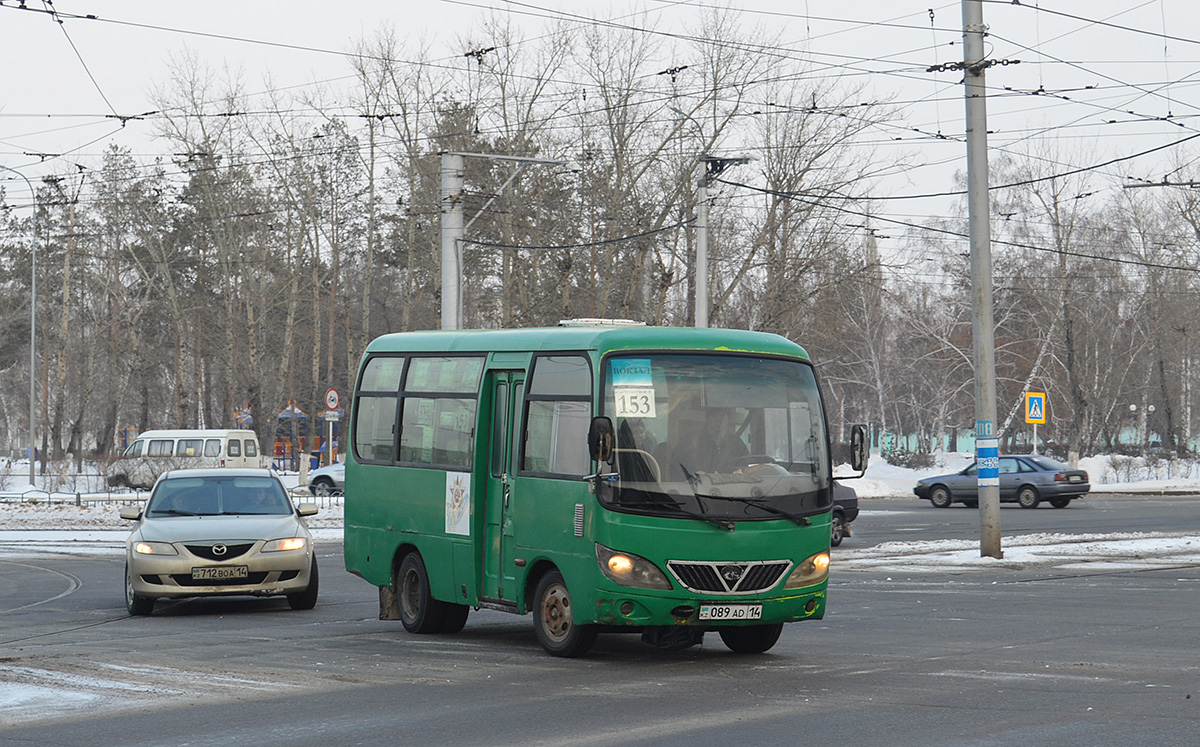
(716, 437)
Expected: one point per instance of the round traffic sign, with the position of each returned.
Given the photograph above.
(331, 399)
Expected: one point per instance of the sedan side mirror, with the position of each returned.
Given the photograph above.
(307, 509)
(600, 439)
(131, 513)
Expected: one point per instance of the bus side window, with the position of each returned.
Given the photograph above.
(212, 447)
(556, 440)
(499, 427)
(558, 415)
(437, 431)
(135, 449)
(234, 448)
(161, 448)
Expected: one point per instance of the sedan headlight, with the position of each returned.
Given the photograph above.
(154, 548)
(812, 570)
(628, 569)
(279, 545)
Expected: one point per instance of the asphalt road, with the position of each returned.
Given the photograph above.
(977, 657)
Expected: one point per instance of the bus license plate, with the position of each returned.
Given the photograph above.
(221, 572)
(730, 611)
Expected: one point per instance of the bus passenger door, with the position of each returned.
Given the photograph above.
(499, 580)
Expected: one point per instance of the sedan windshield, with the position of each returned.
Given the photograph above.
(214, 496)
(716, 437)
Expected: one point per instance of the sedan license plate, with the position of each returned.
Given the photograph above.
(730, 611)
(221, 572)
(1076, 478)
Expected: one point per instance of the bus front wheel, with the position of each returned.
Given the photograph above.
(419, 611)
(553, 621)
(455, 618)
(751, 639)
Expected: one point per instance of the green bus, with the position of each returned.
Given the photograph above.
(603, 476)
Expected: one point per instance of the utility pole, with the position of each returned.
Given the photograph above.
(32, 333)
(702, 250)
(987, 444)
(452, 234)
(453, 229)
(712, 167)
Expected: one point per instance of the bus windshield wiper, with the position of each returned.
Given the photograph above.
(803, 521)
(666, 500)
(692, 480)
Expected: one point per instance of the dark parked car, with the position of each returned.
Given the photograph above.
(1027, 480)
(845, 510)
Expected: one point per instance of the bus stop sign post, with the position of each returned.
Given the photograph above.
(331, 416)
(1035, 412)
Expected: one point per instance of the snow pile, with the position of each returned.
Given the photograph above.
(1096, 552)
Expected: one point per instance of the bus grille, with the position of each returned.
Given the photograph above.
(728, 578)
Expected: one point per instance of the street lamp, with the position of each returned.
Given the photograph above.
(32, 328)
(453, 228)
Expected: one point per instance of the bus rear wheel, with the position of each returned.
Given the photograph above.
(419, 611)
(553, 621)
(751, 639)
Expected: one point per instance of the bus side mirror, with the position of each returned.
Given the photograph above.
(858, 448)
(600, 439)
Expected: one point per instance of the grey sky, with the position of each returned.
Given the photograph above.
(1084, 93)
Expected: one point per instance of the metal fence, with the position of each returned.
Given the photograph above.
(82, 491)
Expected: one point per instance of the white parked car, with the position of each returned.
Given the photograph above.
(216, 532)
(327, 480)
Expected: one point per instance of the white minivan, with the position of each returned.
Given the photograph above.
(155, 452)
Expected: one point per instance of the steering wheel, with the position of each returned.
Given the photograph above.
(751, 459)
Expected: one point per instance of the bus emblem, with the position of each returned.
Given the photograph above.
(732, 573)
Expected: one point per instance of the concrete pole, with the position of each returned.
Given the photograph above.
(702, 249)
(987, 450)
(32, 333)
(452, 234)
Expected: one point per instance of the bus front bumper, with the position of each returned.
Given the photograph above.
(630, 608)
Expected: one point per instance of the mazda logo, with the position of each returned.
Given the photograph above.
(731, 573)
(221, 550)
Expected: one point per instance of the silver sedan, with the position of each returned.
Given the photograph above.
(210, 532)
(1024, 479)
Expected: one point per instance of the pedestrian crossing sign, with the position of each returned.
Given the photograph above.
(1035, 407)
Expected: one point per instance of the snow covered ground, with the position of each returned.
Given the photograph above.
(36, 522)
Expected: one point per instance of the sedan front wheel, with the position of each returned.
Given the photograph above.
(136, 605)
(940, 497)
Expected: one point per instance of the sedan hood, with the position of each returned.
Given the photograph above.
(194, 528)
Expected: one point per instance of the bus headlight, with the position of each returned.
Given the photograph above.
(813, 570)
(628, 569)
